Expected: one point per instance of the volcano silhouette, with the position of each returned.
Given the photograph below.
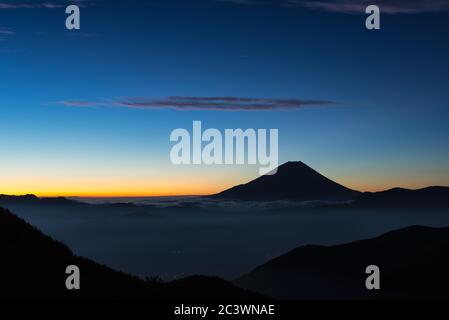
(292, 181)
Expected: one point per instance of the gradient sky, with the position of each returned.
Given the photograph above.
(65, 129)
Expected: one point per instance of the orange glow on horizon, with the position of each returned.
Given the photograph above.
(117, 194)
(111, 192)
(198, 190)
(177, 182)
(99, 188)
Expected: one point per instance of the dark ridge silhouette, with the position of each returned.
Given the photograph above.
(32, 266)
(293, 181)
(28, 198)
(426, 198)
(32, 199)
(413, 262)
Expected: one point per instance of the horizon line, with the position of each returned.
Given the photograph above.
(90, 196)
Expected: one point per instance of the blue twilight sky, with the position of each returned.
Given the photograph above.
(79, 117)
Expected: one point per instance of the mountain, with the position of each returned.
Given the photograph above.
(426, 198)
(413, 262)
(293, 181)
(32, 199)
(32, 266)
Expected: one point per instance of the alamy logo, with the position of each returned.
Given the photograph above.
(373, 280)
(73, 280)
(73, 21)
(373, 20)
(210, 148)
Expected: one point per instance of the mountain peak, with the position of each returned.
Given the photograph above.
(294, 166)
(294, 180)
(294, 163)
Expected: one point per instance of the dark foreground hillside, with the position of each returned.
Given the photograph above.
(413, 262)
(33, 265)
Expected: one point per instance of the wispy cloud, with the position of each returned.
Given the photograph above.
(240, 1)
(6, 32)
(202, 103)
(357, 6)
(80, 103)
(386, 6)
(83, 34)
(9, 5)
(27, 5)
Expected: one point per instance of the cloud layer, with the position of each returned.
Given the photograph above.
(339, 6)
(386, 6)
(6, 5)
(203, 103)
(359, 6)
(6, 32)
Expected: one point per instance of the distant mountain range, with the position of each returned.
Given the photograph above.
(426, 198)
(33, 265)
(293, 181)
(413, 262)
(32, 199)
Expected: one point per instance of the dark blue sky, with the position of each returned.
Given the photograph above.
(66, 130)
